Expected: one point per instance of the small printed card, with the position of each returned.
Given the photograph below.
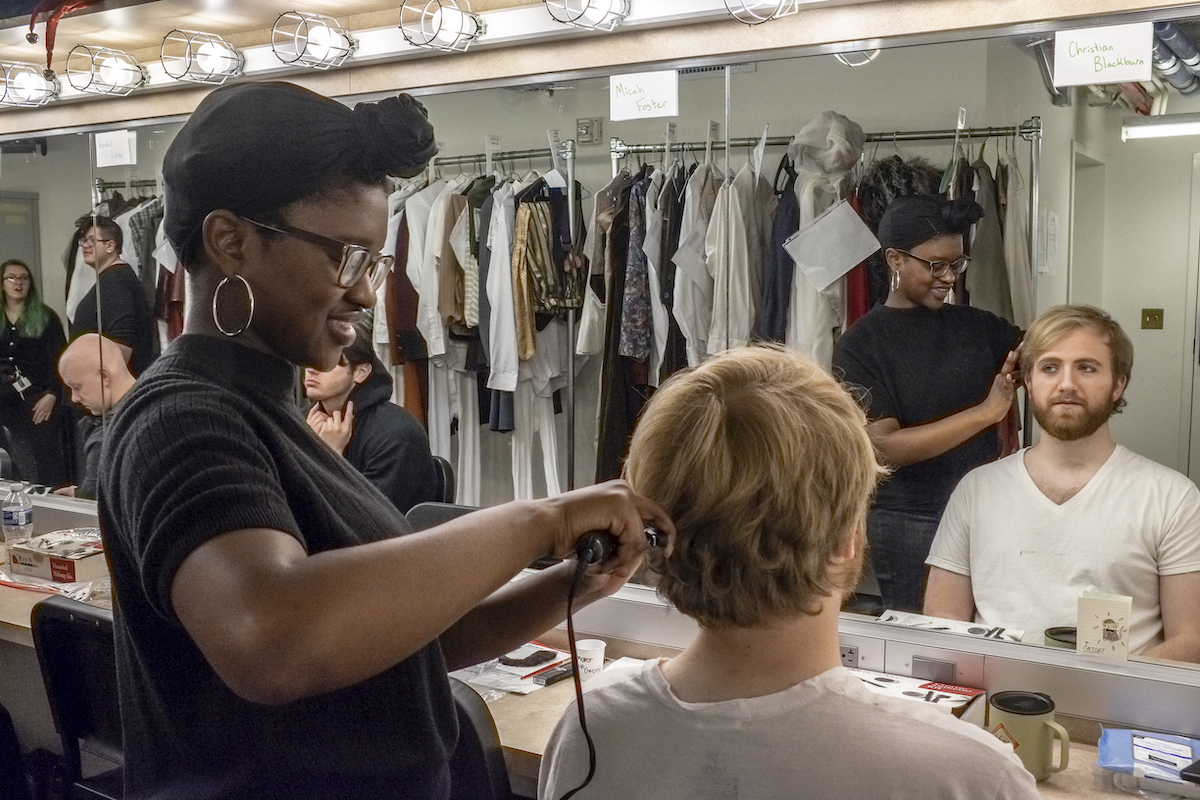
(1104, 624)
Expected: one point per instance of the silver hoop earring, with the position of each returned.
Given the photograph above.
(894, 283)
(249, 297)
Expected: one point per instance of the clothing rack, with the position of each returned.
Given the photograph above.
(1030, 130)
(566, 152)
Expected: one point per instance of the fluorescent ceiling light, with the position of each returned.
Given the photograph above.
(1164, 125)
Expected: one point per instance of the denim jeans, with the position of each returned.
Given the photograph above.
(899, 544)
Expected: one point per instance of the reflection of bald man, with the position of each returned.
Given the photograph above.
(95, 371)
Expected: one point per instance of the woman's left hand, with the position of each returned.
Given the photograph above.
(43, 408)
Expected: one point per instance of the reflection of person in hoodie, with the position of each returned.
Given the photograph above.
(354, 415)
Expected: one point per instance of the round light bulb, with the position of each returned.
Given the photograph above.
(320, 43)
(211, 58)
(114, 72)
(28, 87)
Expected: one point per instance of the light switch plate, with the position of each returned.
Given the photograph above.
(1152, 319)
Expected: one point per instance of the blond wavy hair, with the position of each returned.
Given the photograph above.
(764, 463)
(1057, 322)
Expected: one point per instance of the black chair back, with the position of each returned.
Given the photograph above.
(74, 643)
(430, 515)
(445, 474)
(477, 769)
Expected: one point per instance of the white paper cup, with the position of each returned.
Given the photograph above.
(590, 653)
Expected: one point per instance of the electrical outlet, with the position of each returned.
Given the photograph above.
(1152, 319)
(588, 130)
(849, 656)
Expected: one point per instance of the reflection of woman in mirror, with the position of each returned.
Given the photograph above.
(30, 343)
(936, 380)
(276, 635)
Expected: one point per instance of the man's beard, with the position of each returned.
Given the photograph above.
(1073, 428)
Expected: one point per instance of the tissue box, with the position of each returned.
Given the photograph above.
(70, 556)
(944, 696)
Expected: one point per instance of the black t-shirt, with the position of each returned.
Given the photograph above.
(208, 441)
(126, 314)
(918, 366)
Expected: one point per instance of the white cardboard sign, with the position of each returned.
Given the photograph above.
(114, 148)
(1112, 54)
(644, 95)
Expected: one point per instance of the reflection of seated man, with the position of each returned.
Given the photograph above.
(355, 416)
(1024, 537)
(765, 465)
(94, 369)
(124, 310)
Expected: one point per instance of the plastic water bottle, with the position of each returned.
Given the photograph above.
(18, 519)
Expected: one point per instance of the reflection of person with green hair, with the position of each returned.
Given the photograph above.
(30, 342)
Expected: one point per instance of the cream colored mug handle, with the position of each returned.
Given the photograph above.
(1064, 747)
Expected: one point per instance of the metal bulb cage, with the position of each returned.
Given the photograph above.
(592, 15)
(440, 24)
(102, 70)
(200, 57)
(754, 12)
(311, 40)
(26, 85)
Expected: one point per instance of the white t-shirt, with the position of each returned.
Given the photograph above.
(1029, 559)
(827, 737)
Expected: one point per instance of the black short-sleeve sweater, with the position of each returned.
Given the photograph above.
(918, 365)
(208, 442)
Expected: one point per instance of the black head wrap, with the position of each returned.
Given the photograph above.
(914, 219)
(253, 148)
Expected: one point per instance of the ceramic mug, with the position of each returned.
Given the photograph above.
(1026, 721)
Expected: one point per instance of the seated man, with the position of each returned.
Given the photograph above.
(95, 370)
(1022, 538)
(354, 415)
(764, 463)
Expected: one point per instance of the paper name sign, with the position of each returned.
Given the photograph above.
(1103, 624)
(1113, 54)
(644, 95)
(116, 148)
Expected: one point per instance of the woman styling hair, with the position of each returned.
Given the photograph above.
(935, 381)
(30, 343)
(276, 636)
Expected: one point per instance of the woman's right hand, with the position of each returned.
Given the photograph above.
(614, 507)
(1004, 389)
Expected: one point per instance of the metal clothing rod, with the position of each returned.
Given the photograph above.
(566, 152)
(619, 147)
(103, 185)
(500, 155)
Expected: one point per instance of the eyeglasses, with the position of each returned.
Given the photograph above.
(940, 268)
(17, 278)
(89, 241)
(354, 259)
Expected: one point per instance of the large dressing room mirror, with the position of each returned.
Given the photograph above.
(1115, 223)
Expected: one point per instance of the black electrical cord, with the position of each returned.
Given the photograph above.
(591, 549)
(580, 570)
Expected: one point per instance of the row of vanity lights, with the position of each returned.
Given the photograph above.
(309, 40)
